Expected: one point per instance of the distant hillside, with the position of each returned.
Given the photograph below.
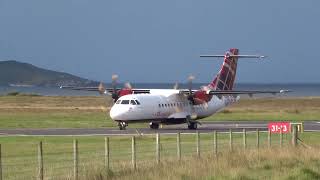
(24, 74)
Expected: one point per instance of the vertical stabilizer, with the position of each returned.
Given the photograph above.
(224, 80)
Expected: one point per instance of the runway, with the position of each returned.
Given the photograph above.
(222, 126)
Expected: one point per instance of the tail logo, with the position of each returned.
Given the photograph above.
(224, 80)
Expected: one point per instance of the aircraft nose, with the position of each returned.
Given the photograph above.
(117, 113)
(114, 114)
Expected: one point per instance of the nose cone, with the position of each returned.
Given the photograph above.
(114, 114)
(118, 113)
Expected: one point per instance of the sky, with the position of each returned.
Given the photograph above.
(160, 41)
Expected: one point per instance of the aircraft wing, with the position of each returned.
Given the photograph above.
(80, 88)
(109, 90)
(248, 92)
(212, 92)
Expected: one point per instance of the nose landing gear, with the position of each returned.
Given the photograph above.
(122, 125)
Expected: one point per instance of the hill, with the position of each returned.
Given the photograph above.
(16, 73)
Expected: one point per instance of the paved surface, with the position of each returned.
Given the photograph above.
(205, 127)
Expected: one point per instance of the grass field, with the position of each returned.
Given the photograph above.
(19, 157)
(19, 154)
(85, 112)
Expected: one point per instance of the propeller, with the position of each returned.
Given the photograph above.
(115, 95)
(127, 85)
(102, 89)
(176, 86)
(190, 96)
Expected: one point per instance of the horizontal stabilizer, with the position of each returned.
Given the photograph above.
(238, 56)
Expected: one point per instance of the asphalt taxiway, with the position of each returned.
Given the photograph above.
(221, 126)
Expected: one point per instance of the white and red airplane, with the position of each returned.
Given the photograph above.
(177, 106)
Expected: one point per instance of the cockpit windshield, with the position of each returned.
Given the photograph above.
(125, 102)
(131, 102)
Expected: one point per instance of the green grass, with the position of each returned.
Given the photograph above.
(265, 116)
(251, 164)
(92, 112)
(19, 154)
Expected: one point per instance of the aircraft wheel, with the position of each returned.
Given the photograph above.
(122, 125)
(192, 125)
(154, 125)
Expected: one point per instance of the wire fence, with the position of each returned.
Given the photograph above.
(77, 159)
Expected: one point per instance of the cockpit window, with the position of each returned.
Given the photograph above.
(118, 102)
(138, 103)
(125, 102)
(133, 102)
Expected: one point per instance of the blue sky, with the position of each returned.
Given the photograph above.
(160, 41)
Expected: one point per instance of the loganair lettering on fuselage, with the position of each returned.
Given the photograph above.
(176, 106)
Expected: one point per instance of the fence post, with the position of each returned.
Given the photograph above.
(230, 139)
(258, 138)
(244, 138)
(215, 143)
(40, 161)
(75, 159)
(107, 153)
(198, 143)
(294, 136)
(269, 138)
(281, 137)
(178, 146)
(158, 148)
(133, 152)
(0, 163)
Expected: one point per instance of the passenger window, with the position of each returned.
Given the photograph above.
(133, 102)
(125, 102)
(118, 102)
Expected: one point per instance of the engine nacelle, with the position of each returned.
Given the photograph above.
(201, 97)
(124, 92)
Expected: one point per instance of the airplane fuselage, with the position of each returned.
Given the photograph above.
(165, 106)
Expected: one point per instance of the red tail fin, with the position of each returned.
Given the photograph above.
(224, 80)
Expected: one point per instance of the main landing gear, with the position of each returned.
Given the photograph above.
(154, 125)
(122, 125)
(192, 124)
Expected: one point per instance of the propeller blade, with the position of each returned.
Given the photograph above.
(206, 105)
(176, 86)
(102, 89)
(127, 85)
(114, 78)
(194, 116)
(190, 79)
(103, 109)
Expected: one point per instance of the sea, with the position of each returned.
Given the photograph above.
(298, 90)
